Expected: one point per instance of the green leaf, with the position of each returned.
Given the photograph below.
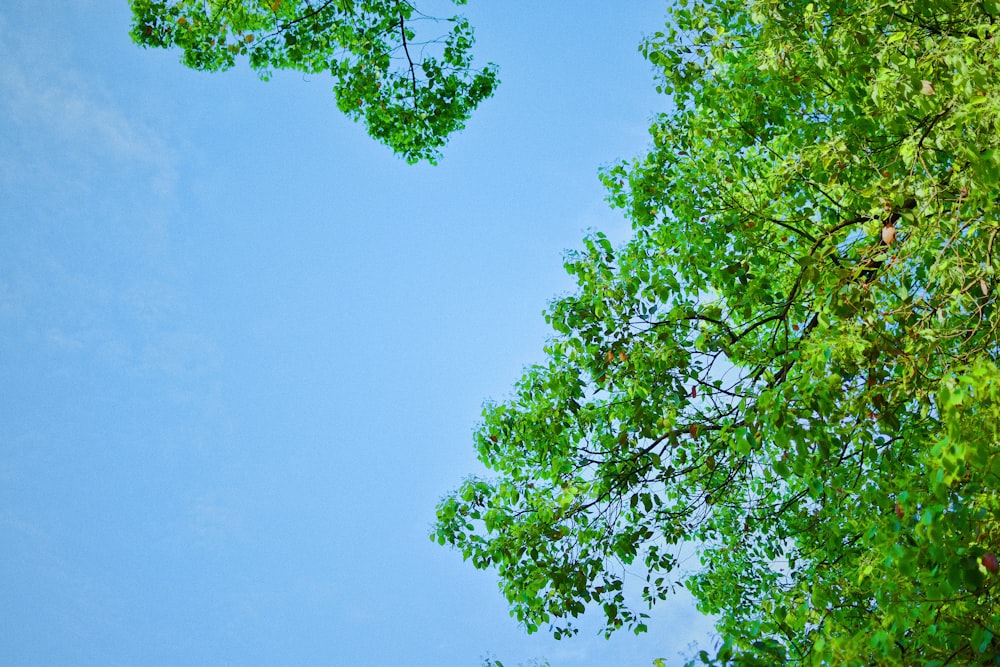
(411, 99)
(764, 372)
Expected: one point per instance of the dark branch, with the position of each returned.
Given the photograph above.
(409, 58)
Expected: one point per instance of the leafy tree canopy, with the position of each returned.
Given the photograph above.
(791, 366)
(411, 92)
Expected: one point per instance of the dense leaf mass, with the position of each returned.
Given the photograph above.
(411, 92)
(792, 365)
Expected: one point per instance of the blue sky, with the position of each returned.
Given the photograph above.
(244, 347)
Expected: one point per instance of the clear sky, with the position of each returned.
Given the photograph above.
(243, 346)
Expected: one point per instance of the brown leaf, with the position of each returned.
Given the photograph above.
(990, 562)
(926, 87)
(888, 234)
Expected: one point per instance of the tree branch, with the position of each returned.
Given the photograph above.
(409, 58)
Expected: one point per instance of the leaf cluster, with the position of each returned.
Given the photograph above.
(411, 92)
(792, 366)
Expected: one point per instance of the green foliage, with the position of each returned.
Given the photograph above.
(411, 94)
(792, 365)
(490, 661)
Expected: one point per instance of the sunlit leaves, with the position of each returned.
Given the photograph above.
(411, 90)
(793, 364)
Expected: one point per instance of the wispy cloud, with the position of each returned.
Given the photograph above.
(215, 521)
(11, 306)
(40, 89)
(91, 184)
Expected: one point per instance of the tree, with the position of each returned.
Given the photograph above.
(411, 94)
(793, 363)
